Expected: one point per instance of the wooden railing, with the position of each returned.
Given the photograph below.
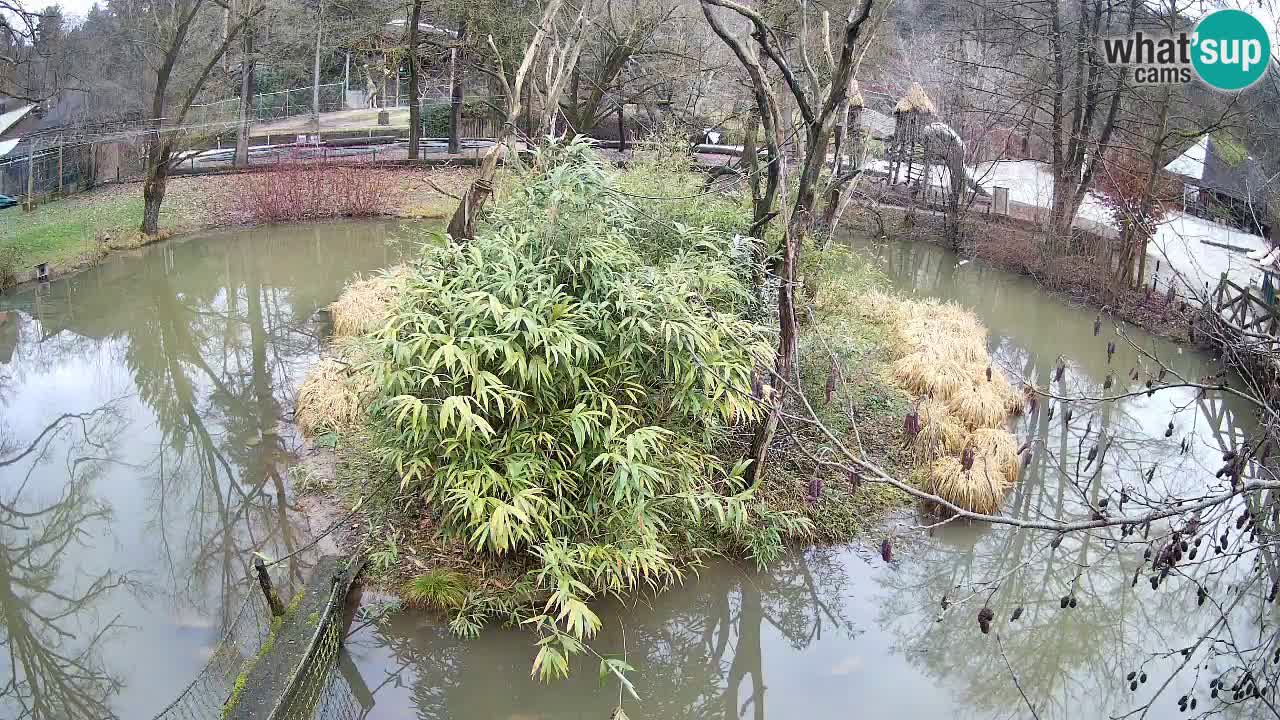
(1254, 317)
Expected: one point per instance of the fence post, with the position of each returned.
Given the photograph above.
(264, 582)
(31, 175)
(60, 146)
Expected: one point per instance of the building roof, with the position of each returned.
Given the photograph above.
(11, 118)
(7, 146)
(1208, 164)
(876, 124)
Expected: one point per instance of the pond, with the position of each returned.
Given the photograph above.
(837, 632)
(144, 447)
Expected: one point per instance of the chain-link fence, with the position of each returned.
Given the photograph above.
(271, 106)
(60, 170)
(234, 655)
(288, 666)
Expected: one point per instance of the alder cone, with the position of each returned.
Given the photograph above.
(985, 616)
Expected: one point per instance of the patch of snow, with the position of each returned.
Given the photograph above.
(7, 146)
(9, 119)
(1189, 245)
(1191, 162)
(1182, 243)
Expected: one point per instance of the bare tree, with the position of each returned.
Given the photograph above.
(817, 104)
(462, 226)
(30, 69)
(164, 34)
(415, 104)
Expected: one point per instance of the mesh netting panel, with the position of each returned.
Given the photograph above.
(239, 645)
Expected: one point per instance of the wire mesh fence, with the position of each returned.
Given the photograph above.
(242, 640)
(323, 693)
(286, 666)
(47, 171)
(272, 106)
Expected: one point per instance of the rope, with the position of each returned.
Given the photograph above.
(359, 504)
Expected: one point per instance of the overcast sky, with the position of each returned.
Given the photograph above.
(1264, 9)
(79, 8)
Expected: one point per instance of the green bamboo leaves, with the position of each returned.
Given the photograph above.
(548, 392)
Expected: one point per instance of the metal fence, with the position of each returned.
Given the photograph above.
(271, 106)
(59, 170)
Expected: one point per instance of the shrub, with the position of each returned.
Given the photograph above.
(8, 266)
(435, 118)
(551, 394)
(309, 192)
(666, 191)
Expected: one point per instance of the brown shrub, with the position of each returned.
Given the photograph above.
(291, 193)
(329, 399)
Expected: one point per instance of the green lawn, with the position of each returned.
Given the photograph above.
(77, 230)
(65, 231)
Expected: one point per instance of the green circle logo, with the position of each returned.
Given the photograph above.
(1232, 49)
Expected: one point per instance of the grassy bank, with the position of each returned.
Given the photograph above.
(78, 231)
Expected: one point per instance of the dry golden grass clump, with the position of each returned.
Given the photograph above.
(940, 433)
(366, 304)
(331, 397)
(998, 446)
(942, 358)
(981, 488)
(985, 404)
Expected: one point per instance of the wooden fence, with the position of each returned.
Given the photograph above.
(1253, 317)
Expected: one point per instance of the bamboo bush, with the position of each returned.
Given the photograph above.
(548, 393)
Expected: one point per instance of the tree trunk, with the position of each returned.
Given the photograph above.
(793, 239)
(1062, 211)
(315, 74)
(248, 86)
(456, 91)
(622, 130)
(415, 105)
(154, 187)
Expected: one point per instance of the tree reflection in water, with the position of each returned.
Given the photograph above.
(49, 670)
(698, 651)
(205, 340)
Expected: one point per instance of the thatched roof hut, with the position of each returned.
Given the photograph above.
(915, 101)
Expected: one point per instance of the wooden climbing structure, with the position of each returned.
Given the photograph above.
(908, 161)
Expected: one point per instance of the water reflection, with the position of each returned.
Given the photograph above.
(1074, 660)
(196, 347)
(834, 633)
(49, 671)
(699, 652)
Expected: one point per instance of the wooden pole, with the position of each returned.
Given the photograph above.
(31, 175)
(264, 582)
(622, 130)
(60, 146)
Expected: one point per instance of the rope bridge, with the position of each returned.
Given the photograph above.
(277, 662)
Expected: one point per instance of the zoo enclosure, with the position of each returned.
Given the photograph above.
(272, 106)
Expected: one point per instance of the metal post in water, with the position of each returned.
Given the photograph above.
(264, 581)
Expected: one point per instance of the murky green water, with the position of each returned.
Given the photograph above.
(838, 633)
(144, 447)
